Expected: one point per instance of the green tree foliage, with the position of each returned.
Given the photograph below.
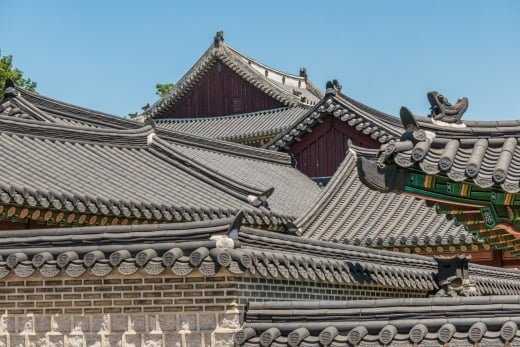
(7, 71)
(161, 89)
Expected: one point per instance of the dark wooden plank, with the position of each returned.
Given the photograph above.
(220, 92)
(321, 152)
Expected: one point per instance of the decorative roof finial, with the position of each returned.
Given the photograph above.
(453, 276)
(219, 37)
(9, 88)
(151, 122)
(333, 87)
(261, 199)
(303, 72)
(442, 110)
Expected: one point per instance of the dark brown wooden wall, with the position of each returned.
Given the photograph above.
(321, 152)
(220, 92)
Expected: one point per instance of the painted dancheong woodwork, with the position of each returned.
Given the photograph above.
(469, 168)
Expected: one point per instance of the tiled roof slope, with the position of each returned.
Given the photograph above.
(460, 321)
(366, 120)
(223, 242)
(251, 166)
(293, 191)
(291, 90)
(347, 211)
(125, 173)
(237, 128)
(483, 152)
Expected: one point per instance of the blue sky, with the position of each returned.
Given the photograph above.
(108, 55)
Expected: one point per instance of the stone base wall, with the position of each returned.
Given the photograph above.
(144, 310)
(175, 330)
(116, 310)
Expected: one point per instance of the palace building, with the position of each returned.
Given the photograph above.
(175, 228)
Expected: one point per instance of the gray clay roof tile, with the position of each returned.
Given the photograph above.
(349, 212)
(460, 321)
(120, 165)
(238, 128)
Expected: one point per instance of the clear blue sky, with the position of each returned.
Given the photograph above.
(108, 55)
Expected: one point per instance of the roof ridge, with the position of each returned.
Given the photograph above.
(72, 133)
(225, 147)
(94, 116)
(231, 116)
(361, 251)
(229, 185)
(22, 239)
(46, 98)
(378, 124)
(262, 64)
(18, 102)
(279, 93)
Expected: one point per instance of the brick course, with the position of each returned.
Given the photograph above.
(149, 311)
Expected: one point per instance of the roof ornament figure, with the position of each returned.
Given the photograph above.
(261, 199)
(151, 122)
(303, 72)
(453, 276)
(219, 38)
(442, 110)
(333, 87)
(9, 88)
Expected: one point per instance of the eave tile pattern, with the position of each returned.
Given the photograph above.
(127, 173)
(370, 122)
(485, 153)
(482, 321)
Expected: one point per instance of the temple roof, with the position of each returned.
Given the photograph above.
(238, 128)
(290, 90)
(122, 169)
(349, 212)
(460, 321)
(368, 121)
